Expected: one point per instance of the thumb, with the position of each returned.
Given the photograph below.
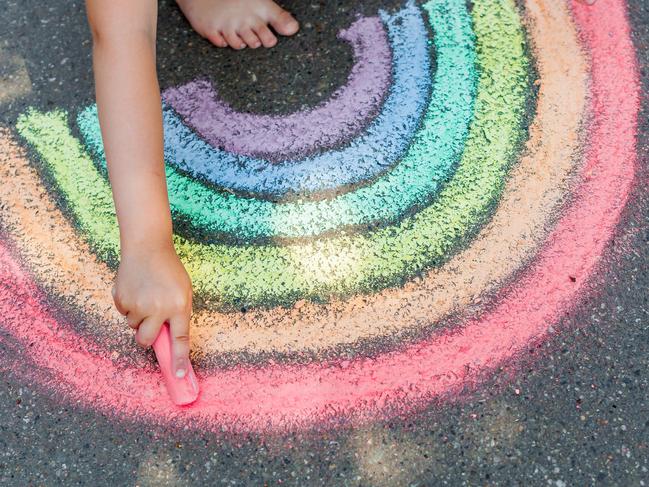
(179, 329)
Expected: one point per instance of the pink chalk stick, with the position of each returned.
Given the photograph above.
(182, 391)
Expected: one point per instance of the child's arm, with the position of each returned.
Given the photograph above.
(151, 285)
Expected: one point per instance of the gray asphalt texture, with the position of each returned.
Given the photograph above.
(575, 413)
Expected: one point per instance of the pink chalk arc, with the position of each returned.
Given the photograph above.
(296, 396)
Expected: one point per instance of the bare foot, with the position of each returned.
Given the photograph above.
(238, 23)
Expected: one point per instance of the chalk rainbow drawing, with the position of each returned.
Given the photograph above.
(522, 213)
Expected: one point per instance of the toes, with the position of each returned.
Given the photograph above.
(283, 22)
(233, 39)
(250, 38)
(217, 39)
(268, 39)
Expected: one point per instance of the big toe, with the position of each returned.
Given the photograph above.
(284, 23)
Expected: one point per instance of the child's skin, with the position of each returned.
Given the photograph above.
(152, 285)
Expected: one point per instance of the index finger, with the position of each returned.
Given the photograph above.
(179, 329)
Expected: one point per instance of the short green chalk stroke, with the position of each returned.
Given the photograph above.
(232, 276)
(413, 182)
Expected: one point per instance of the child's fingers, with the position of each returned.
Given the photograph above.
(179, 329)
(148, 330)
(133, 319)
(118, 301)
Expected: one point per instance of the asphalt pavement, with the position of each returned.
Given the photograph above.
(574, 410)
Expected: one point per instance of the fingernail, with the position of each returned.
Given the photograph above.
(181, 368)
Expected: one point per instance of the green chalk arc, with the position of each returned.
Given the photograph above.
(212, 216)
(235, 276)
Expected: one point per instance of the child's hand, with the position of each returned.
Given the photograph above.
(152, 287)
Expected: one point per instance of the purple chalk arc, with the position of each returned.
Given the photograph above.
(298, 134)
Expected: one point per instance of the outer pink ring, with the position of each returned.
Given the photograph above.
(280, 397)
